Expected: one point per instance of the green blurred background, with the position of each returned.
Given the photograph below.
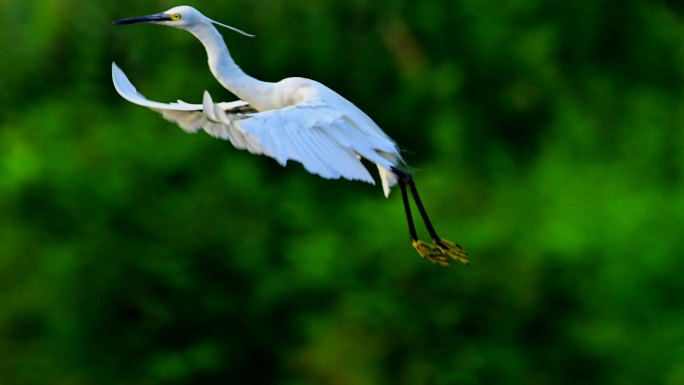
(548, 139)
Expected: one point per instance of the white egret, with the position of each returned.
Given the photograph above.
(293, 119)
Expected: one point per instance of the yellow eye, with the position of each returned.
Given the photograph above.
(176, 16)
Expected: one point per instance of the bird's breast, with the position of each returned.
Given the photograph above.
(292, 91)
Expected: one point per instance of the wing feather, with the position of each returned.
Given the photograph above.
(323, 157)
(339, 158)
(189, 121)
(128, 91)
(299, 133)
(211, 117)
(312, 158)
(325, 140)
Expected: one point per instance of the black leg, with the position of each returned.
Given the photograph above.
(442, 249)
(421, 209)
(407, 209)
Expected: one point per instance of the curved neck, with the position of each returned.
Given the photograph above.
(223, 67)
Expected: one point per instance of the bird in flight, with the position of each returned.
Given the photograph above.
(294, 119)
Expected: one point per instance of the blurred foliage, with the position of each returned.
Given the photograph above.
(548, 138)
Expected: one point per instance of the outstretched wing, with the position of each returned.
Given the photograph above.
(193, 117)
(326, 141)
(304, 133)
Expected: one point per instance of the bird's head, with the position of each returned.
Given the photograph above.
(182, 17)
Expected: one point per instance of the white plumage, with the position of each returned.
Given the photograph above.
(297, 119)
(294, 119)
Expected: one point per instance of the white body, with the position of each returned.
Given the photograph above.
(295, 118)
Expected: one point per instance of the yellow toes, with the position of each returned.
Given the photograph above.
(441, 251)
(453, 250)
(430, 252)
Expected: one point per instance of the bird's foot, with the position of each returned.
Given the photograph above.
(441, 251)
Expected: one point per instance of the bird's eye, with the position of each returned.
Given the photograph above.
(176, 16)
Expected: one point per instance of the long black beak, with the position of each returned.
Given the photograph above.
(144, 19)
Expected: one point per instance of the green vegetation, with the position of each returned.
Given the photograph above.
(548, 139)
